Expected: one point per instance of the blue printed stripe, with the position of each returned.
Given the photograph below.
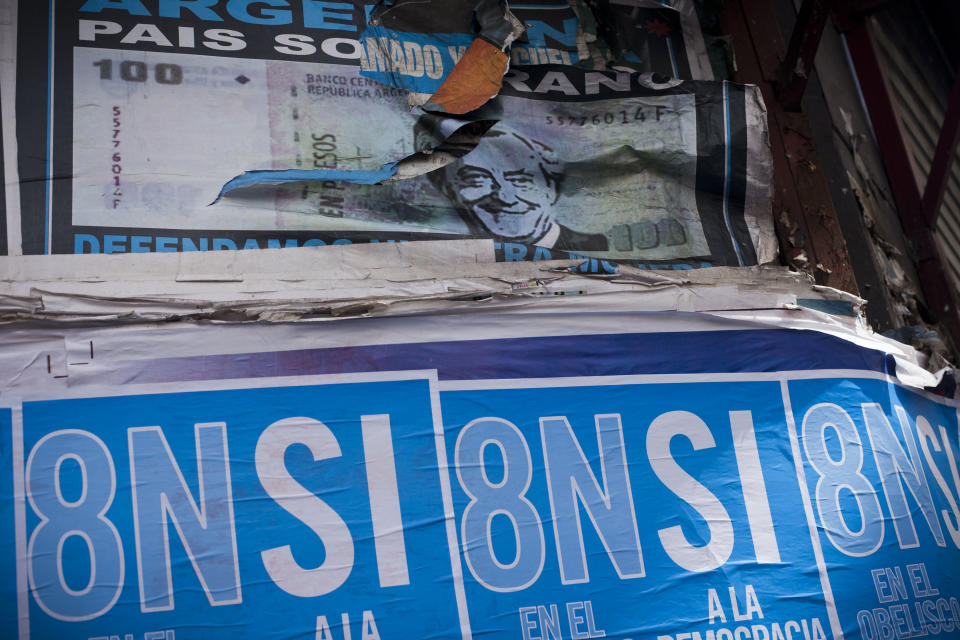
(734, 351)
(673, 57)
(728, 170)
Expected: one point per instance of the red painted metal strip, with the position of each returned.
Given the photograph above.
(804, 42)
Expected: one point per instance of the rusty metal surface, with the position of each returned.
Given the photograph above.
(806, 220)
(888, 127)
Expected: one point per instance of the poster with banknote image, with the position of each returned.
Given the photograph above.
(133, 118)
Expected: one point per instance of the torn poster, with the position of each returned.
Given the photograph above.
(650, 36)
(150, 113)
(411, 34)
(405, 43)
(644, 35)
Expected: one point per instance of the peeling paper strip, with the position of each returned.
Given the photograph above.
(431, 48)
(267, 176)
(473, 82)
(439, 141)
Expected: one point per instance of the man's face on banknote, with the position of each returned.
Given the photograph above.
(502, 184)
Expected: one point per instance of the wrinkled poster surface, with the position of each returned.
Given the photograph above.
(131, 116)
(493, 488)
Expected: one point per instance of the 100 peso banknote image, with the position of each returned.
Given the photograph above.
(592, 162)
(157, 135)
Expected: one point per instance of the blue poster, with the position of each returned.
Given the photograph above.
(881, 471)
(274, 512)
(635, 510)
(463, 500)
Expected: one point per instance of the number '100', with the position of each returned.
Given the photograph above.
(136, 71)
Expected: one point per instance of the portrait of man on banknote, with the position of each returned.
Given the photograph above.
(506, 188)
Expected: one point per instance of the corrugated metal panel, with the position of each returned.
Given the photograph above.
(920, 77)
